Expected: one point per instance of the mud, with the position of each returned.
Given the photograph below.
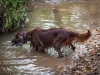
(87, 63)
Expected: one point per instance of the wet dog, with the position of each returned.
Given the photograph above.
(56, 37)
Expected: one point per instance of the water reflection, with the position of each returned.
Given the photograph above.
(78, 16)
(53, 2)
(57, 16)
(17, 60)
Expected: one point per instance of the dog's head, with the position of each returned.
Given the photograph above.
(20, 39)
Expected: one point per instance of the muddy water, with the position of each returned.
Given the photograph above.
(77, 16)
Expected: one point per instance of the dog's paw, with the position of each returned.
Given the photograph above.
(61, 56)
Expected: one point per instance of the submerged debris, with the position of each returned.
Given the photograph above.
(88, 63)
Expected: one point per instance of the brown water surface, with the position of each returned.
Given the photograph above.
(74, 15)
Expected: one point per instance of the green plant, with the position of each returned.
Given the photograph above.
(12, 14)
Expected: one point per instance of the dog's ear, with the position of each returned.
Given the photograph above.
(19, 36)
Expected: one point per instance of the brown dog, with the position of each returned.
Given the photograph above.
(56, 37)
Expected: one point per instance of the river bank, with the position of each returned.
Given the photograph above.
(87, 63)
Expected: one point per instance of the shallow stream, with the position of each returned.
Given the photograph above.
(78, 16)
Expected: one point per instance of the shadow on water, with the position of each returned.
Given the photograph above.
(74, 15)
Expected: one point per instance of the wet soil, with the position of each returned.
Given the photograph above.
(87, 63)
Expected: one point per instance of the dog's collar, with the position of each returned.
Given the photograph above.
(24, 37)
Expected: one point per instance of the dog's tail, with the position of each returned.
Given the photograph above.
(84, 37)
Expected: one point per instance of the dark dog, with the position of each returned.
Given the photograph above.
(56, 37)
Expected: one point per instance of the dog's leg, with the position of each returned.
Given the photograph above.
(73, 47)
(57, 45)
(41, 49)
(57, 48)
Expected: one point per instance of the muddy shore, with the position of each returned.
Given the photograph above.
(87, 63)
